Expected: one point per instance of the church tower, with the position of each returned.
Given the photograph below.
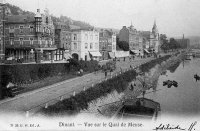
(155, 30)
(155, 38)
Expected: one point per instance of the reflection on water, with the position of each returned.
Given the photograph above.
(183, 100)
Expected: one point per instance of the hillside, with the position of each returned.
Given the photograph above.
(14, 10)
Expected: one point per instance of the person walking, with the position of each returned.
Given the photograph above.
(106, 74)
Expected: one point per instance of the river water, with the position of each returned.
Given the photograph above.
(181, 100)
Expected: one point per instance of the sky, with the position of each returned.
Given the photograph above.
(173, 17)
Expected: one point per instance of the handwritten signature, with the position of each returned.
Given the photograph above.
(177, 127)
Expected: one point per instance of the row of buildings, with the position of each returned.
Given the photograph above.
(141, 42)
(37, 38)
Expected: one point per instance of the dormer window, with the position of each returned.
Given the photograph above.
(21, 29)
(21, 41)
(31, 41)
(31, 29)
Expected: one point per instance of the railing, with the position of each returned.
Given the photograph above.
(30, 46)
(46, 104)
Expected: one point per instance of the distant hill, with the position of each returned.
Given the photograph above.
(14, 10)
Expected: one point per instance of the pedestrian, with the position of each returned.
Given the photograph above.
(106, 74)
(143, 93)
(120, 69)
(131, 66)
(124, 58)
(8, 90)
(81, 72)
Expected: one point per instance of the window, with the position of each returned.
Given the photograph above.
(44, 29)
(21, 29)
(31, 41)
(91, 37)
(75, 36)
(86, 36)
(96, 46)
(47, 20)
(12, 35)
(11, 41)
(97, 37)
(86, 45)
(48, 31)
(114, 40)
(12, 27)
(31, 28)
(21, 41)
(66, 37)
(113, 47)
(75, 46)
(91, 45)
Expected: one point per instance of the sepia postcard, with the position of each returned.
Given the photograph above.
(84, 65)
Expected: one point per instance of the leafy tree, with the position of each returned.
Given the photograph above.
(123, 45)
(173, 44)
(164, 42)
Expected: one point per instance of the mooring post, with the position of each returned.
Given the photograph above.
(27, 113)
(46, 105)
(61, 98)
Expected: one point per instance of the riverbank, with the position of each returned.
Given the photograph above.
(108, 105)
(81, 100)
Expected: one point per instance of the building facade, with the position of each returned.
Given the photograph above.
(30, 38)
(85, 44)
(107, 44)
(2, 25)
(134, 38)
(129, 35)
(184, 43)
(62, 40)
(152, 39)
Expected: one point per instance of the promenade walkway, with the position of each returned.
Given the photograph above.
(34, 100)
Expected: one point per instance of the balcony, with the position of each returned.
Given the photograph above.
(29, 46)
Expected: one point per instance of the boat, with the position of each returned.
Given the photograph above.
(139, 108)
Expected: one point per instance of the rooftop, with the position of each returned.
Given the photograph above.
(19, 19)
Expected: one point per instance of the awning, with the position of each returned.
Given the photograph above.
(132, 52)
(136, 51)
(146, 51)
(96, 53)
(48, 49)
(111, 54)
(67, 56)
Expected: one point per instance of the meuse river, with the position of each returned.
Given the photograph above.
(181, 100)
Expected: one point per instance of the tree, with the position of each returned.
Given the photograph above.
(173, 44)
(164, 42)
(123, 45)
